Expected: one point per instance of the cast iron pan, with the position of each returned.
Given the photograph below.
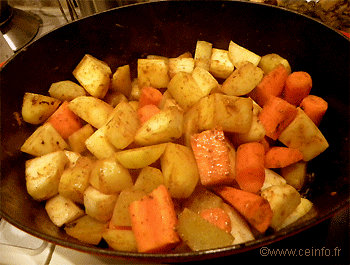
(122, 35)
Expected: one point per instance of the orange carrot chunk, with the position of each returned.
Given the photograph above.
(217, 217)
(146, 112)
(211, 152)
(272, 84)
(278, 157)
(276, 115)
(314, 107)
(153, 221)
(250, 170)
(254, 208)
(65, 121)
(150, 96)
(297, 87)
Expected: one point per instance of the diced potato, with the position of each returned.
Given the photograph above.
(140, 157)
(37, 108)
(180, 65)
(62, 210)
(255, 134)
(86, 229)
(180, 170)
(239, 54)
(272, 178)
(203, 54)
(152, 72)
(165, 126)
(283, 200)
(74, 180)
(66, 90)
(240, 229)
(92, 110)
(242, 80)
(166, 96)
(304, 135)
(134, 104)
(122, 240)
(185, 55)
(295, 174)
(72, 158)
(153, 56)
(123, 125)
(205, 81)
(114, 98)
(206, 112)
(77, 139)
(302, 209)
(149, 179)
(269, 61)
(99, 145)
(191, 124)
(199, 234)
(43, 175)
(44, 140)
(109, 176)
(220, 63)
(202, 199)
(93, 75)
(135, 90)
(121, 80)
(121, 216)
(99, 205)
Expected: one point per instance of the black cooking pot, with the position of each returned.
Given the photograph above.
(122, 35)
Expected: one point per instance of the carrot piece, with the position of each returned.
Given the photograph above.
(217, 217)
(150, 96)
(65, 121)
(153, 221)
(297, 87)
(272, 84)
(276, 115)
(211, 151)
(146, 112)
(314, 107)
(250, 170)
(278, 157)
(254, 208)
(265, 142)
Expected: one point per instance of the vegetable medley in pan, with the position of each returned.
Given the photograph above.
(195, 152)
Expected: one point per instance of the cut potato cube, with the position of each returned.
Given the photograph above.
(122, 240)
(149, 179)
(108, 176)
(203, 54)
(180, 65)
(191, 124)
(121, 80)
(72, 158)
(304, 135)
(205, 81)
(92, 110)
(220, 64)
(77, 139)
(206, 113)
(62, 210)
(283, 200)
(37, 108)
(152, 72)
(270, 61)
(165, 126)
(185, 55)
(94, 75)
(242, 80)
(135, 90)
(295, 174)
(272, 178)
(140, 157)
(114, 98)
(239, 54)
(199, 234)
(44, 140)
(66, 90)
(99, 145)
(121, 216)
(123, 125)
(43, 174)
(302, 209)
(86, 229)
(99, 205)
(180, 170)
(74, 180)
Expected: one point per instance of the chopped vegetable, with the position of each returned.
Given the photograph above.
(314, 107)
(218, 217)
(146, 112)
(297, 87)
(150, 96)
(278, 157)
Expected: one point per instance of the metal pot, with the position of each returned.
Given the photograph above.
(122, 35)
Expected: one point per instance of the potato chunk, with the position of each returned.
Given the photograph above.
(121, 80)
(220, 63)
(203, 54)
(122, 240)
(77, 139)
(152, 72)
(149, 179)
(66, 90)
(239, 54)
(269, 61)
(99, 145)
